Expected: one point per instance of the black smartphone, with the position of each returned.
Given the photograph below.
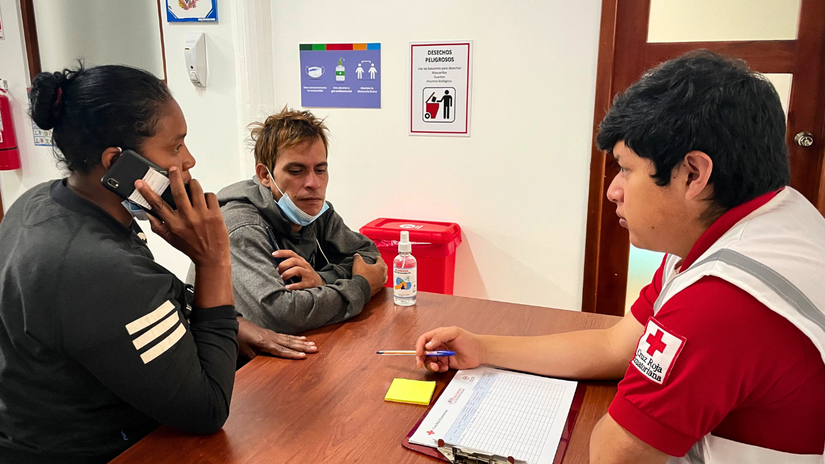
(129, 167)
(274, 244)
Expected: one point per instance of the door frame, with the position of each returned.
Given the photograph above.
(624, 54)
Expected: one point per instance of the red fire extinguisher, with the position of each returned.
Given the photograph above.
(9, 154)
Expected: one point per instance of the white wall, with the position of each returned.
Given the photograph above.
(518, 185)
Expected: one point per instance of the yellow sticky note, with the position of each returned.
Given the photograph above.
(410, 391)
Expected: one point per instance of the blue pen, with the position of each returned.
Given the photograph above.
(412, 352)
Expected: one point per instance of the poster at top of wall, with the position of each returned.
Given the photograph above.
(440, 77)
(181, 11)
(1, 27)
(341, 75)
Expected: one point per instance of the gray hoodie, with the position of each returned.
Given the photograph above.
(327, 244)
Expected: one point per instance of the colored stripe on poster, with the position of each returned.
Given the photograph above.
(356, 46)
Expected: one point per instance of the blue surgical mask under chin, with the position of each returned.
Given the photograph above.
(291, 210)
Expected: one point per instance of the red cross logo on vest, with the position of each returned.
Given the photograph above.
(430, 432)
(656, 343)
(656, 351)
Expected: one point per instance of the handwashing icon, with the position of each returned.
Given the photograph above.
(315, 72)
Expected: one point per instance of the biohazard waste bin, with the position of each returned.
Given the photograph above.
(433, 246)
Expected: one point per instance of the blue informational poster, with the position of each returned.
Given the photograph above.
(341, 75)
(180, 11)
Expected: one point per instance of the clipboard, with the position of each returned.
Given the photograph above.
(575, 407)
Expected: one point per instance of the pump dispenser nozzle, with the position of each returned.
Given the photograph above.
(404, 246)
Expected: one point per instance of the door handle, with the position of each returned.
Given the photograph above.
(804, 139)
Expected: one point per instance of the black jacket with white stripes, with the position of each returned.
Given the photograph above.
(97, 346)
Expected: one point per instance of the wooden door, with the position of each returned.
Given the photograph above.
(624, 54)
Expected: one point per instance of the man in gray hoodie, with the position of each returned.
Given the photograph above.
(295, 265)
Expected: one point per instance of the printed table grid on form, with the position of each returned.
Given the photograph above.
(498, 419)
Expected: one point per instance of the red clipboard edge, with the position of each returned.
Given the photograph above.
(567, 432)
(426, 450)
(575, 407)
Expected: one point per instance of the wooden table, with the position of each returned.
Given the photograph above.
(330, 407)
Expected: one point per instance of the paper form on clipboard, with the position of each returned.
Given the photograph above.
(499, 412)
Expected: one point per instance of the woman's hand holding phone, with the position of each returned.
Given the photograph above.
(197, 229)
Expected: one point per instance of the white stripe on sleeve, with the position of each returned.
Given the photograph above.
(156, 331)
(164, 345)
(149, 319)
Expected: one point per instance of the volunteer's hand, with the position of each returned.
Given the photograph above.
(294, 265)
(376, 274)
(196, 228)
(254, 340)
(469, 350)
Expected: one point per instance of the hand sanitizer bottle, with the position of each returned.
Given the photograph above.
(340, 71)
(404, 273)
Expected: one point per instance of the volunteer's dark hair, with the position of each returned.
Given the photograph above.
(714, 104)
(90, 110)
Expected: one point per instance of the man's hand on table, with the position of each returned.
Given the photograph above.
(469, 350)
(254, 340)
